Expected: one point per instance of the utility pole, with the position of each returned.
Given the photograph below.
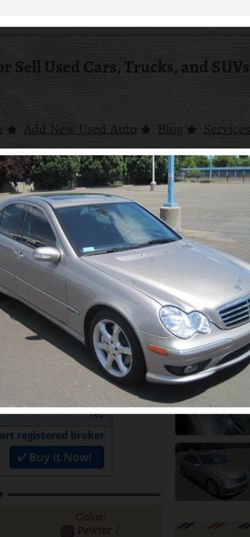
(210, 167)
(153, 182)
(170, 201)
(170, 212)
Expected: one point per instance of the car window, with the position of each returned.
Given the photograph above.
(214, 458)
(192, 459)
(37, 230)
(11, 220)
(101, 228)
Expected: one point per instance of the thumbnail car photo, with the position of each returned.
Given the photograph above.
(212, 471)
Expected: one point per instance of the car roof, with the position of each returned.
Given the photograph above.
(58, 200)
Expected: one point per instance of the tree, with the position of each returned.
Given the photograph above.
(225, 160)
(244, 160)
(191, 161)
(139, 169)
(161, 169)
(102, 170)
(14, 169)
(54, 172)
(201, 161)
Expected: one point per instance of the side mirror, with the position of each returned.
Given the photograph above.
(47, 253)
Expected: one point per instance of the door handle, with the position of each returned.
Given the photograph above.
(18, 253)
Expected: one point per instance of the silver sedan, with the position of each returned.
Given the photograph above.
(213, 471)
(145, 300)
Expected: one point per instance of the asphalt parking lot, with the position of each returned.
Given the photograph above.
(43, 366)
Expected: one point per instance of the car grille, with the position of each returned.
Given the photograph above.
(236, 313)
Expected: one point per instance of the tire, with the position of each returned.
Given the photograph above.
(109, 333)
(212, 488)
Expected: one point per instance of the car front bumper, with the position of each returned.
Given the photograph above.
(209, 354)
(233, 489)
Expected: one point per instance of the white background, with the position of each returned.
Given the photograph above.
(128, 7)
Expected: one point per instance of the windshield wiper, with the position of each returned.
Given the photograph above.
(109, 251)
(130, 247)
(152, 242)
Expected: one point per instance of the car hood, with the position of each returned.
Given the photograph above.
(230, 471)
(183, 273)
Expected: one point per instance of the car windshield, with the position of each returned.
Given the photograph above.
(214, 458)
(111, 227)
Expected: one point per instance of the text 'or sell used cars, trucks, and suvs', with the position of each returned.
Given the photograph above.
(145, 300)
(213, 471)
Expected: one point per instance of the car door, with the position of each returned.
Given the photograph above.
(11, 222)
(41, 283)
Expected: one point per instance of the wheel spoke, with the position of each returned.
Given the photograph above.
(124, 350)
(109, 362)
(102, 345)
(106, 335)
(116, 333)
(121, 366)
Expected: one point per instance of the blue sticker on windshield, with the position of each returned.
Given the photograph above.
(87, 249)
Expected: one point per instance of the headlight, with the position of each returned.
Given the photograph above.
(229, 482)
(184, 325)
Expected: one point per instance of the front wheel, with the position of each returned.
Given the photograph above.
(213, 488)
(116, 347)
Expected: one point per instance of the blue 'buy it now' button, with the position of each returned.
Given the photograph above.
(55, 457)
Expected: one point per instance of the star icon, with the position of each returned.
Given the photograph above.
(191, 129)
(145, 129)
(12, 129)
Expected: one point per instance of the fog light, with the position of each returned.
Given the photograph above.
(186, 370)
(190, 369)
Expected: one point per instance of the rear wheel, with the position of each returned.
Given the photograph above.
(116, 347)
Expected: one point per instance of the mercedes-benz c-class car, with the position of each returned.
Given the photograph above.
(148, 302)
(213, 471)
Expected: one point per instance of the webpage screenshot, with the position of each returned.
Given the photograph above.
(124, 217)
(175, 475)
(124, 274)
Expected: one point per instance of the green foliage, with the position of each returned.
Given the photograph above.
(139, 169)
(115, 170)
(201, 160)
(161, 169)
(101, 170)
(54, 172)
(226, 160)
(14, 168)
(244, 160)
(191, 161)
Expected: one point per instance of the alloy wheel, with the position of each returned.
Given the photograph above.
(112, 348)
